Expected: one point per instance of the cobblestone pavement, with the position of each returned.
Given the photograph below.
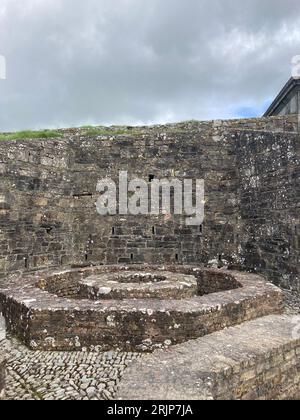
(77, 375)
(63, 376)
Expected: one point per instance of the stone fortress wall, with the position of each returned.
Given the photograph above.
(251, 170)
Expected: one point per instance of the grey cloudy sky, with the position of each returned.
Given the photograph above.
(74, 62)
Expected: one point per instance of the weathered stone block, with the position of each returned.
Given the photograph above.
(213, 367)
(46, 310)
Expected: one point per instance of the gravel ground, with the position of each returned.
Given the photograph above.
(77, 375)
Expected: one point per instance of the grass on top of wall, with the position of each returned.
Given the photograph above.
(21, 135)
(99, 131)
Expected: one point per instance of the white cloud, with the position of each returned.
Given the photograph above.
(126, 61)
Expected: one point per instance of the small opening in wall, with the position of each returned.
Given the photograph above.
(113, 230)
(153, 230)
(151, 177)
(220, 257)
(132, 257)
(26, 263)
(176, 257)
(201, 228)
(86, 256)
(82, 195)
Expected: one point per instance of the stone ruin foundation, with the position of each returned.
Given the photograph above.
(148, 308)
(228, 336)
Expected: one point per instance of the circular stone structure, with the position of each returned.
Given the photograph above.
(139, 285)
(135, 308)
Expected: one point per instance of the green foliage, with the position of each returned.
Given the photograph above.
(46, 134)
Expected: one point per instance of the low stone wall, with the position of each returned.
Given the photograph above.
(46, 321)
(258, 360)
(139, 285)
(2, 374)
(68, 283)
(2, 356)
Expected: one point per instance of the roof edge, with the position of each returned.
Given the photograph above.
(289, 86)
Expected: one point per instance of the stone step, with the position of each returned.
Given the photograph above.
(2, 373)
(256, 360)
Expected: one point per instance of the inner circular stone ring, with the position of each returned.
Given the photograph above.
(138, 285)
